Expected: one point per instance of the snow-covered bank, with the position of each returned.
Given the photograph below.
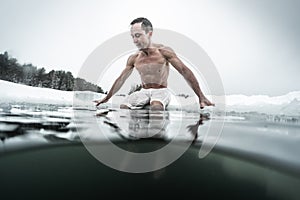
(288, 104)
(18, 93)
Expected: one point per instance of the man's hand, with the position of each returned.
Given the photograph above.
(98, 102)
(205, 102)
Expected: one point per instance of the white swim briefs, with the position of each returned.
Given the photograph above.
(139, 99)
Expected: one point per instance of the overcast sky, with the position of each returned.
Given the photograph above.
(255, 45)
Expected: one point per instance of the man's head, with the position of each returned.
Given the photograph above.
(141, 32)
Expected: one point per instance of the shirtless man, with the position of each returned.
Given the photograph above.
(152, 61)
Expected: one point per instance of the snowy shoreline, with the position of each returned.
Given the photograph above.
(288, 104)
(18, 93)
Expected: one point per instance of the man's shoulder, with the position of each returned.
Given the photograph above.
(134, 55)
(166, 51)
(132, 58)
(162, 47)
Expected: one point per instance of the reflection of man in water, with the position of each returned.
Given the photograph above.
(151, 124)
(152, 61)
(154, 124)
(148, 124)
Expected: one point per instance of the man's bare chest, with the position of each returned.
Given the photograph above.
(154, 59)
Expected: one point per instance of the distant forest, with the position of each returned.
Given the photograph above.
(27, 74)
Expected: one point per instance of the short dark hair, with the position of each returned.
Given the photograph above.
(146, 24)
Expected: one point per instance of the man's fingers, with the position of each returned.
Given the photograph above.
(202, 105)
(97, 102)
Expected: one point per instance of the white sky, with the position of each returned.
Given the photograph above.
(255, 44)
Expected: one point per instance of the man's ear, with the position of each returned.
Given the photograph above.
(150, 33)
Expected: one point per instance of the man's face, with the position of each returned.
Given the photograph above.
(140, 38)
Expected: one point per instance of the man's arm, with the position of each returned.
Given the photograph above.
(119, 81)
(188, 75)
